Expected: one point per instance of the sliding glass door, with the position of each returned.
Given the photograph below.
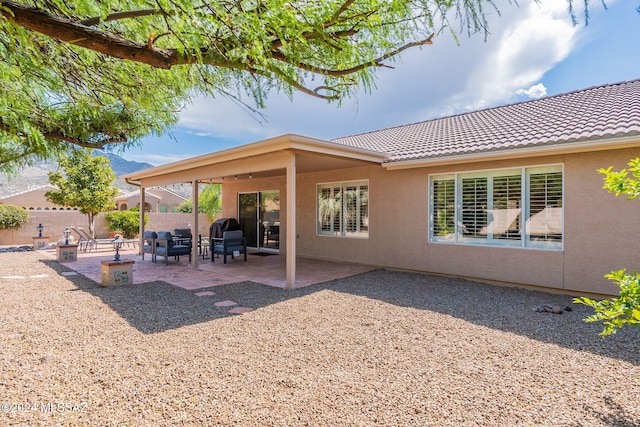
(259, 218)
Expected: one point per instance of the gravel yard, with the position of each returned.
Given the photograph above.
(378, 349)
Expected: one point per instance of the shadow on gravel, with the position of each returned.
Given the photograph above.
(157, 306)
(618, 416)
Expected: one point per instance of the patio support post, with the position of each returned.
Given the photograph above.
(194, 223)
(141, 237)
(291, 223)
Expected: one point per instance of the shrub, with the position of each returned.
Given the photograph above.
(12, 217)
(128, 222)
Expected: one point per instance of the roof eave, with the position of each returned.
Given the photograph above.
(279, 143)
(518, 153)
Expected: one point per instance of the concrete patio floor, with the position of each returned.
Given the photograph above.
(268, 270)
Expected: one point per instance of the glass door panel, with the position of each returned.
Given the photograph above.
(247, 217)
(270, 219)
(259, 218)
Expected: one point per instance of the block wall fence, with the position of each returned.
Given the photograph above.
(54, 223)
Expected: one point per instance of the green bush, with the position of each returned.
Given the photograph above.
(126, 221)
(12, 217)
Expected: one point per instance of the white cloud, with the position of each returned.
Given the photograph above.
(528, 42)
(534, 92)
(435, 81)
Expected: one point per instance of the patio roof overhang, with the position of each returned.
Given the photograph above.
(269, 157)
(285, 155)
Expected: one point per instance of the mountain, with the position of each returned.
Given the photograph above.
(122, 166)
(37, 175)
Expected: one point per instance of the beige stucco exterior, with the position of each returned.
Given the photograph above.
(34, 200)
(599, 229)
(157, 199)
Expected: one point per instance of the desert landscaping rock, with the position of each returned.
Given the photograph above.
(378, 349)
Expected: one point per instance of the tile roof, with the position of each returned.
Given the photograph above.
(595, 113)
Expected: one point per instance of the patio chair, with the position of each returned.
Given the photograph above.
(166, 247)
(87, 242)
(231, 242)
(149, 244)
(273, 233)
(183, 236)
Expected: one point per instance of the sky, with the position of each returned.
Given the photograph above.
(533, 50)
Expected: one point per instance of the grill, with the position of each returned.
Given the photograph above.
(221, 225)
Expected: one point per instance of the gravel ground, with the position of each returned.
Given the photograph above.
(379, 349)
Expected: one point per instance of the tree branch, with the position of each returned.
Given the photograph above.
(59, 136)
(120, 15)
(337, 73)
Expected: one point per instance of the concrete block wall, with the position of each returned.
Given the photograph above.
(54, 223)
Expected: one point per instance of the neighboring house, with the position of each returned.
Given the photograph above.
(34, 200)
(508, 194)
(157, 199)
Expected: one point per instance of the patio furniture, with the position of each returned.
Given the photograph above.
(182, 236)
(167, 247)
(232, 242)
(273, 233)
(149, 244)
(87, 242)
(203, 246)
(221, 225)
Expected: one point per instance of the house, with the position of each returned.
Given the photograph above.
(158, 199)
(34, 199)
(508, 195)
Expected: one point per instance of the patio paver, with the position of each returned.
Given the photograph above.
(268, 270)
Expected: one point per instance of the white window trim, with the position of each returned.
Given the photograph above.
(342, 233)
(525, 242)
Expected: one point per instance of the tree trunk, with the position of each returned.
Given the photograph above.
(92, 223)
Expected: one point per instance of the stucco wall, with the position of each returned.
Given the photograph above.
(600, 230)
(54, 223)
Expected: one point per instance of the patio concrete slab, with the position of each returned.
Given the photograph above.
(268, 270)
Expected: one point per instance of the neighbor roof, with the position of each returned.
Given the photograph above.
(592, 114)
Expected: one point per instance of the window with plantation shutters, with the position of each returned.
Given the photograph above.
(343, 209)
(544, 216)
(516, 207)
(444, 206)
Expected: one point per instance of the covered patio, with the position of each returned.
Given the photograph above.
(267, 270)
(265, 165)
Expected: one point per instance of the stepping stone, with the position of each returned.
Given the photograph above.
(39, 276)
(240, 310)
(226, 303)
(205, 293)
(69, 273)
(14, 277)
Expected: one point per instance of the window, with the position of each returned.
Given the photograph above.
(517, 207)
(343, 209)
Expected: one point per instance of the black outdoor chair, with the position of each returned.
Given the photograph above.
(167, 247)
(232, 241)
(149, 244)
(183, 235)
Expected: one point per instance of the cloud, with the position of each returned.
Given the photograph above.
(434, 81)
(526, 43)
(534, 92)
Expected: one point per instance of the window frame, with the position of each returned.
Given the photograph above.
(342, 221)
(457, 237)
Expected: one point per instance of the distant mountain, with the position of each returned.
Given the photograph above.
(122, 166)
(37, 175)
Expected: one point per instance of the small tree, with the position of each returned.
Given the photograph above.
(128, 222)
(87, 186)
(12, 217)
(625, 309)
(209, 201)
